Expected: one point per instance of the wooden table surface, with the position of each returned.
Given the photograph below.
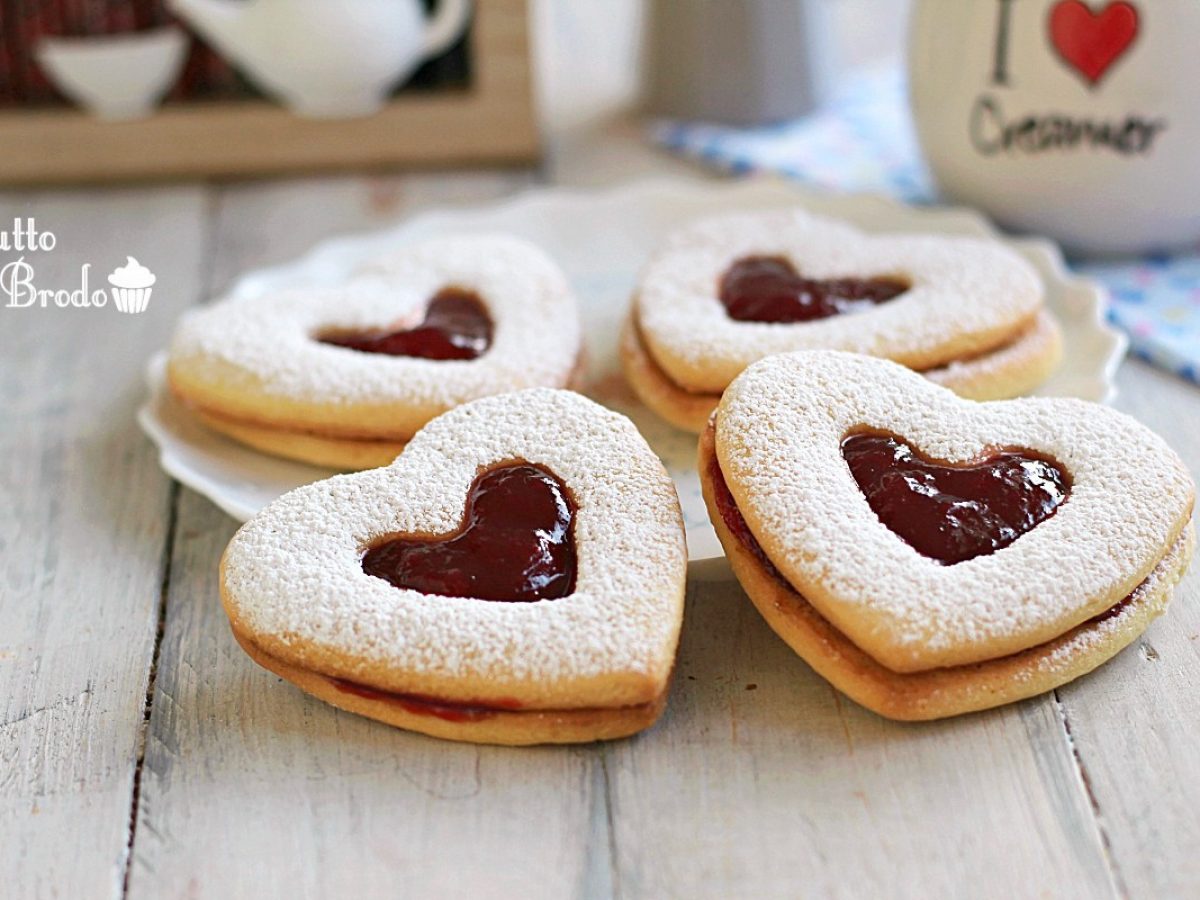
(143, 755)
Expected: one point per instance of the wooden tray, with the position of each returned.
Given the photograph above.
(492, 121)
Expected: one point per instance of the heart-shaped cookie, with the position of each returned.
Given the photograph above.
(931, 555)
(344, 376)
(319, 586)
(725, 292)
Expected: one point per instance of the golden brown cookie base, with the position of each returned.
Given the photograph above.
(679, 407)
(338, 453)
(939, 693)
(511, 727)
(292, 440)
(1008, 371)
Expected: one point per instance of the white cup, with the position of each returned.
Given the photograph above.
(1077, 120)
(115, 77)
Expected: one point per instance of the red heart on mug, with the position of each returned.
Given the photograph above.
(1090, 42)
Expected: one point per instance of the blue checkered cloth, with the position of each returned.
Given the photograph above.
(864, 141)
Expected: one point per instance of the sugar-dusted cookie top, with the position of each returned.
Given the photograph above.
(293, 578)
(262, 359)
(779, 434)
(964, 295)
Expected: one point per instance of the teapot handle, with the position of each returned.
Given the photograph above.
(445, 26)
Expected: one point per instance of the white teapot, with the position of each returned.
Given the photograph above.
(325, 59)
(1075, 119)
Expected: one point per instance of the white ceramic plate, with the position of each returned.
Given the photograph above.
(602, 239)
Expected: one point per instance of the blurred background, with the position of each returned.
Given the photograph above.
(595, 49)
(609, 72)
(1067, 119)
(188, 78)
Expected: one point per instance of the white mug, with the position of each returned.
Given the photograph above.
(1077, 120)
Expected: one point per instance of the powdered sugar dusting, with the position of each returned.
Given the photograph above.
(293, 571)
(262, 348)
(779, 430)
(962, 289)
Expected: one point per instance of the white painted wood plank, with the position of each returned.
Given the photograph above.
(253, 789)
(763, 781)
(1136, 722)
(84, 515)
(267, 223)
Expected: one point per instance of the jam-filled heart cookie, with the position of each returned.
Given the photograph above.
(930, 555)
(515, 576)
(725, 292)
(345, 376)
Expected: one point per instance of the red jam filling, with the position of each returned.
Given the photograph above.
(516, 543)
(456, 326)
(769, 289)
(735, 522)
(953, 513)
(421, 705)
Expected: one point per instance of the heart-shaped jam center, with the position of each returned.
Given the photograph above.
(953, 513)
(515, 543)
(769, 289)
(456, 326)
